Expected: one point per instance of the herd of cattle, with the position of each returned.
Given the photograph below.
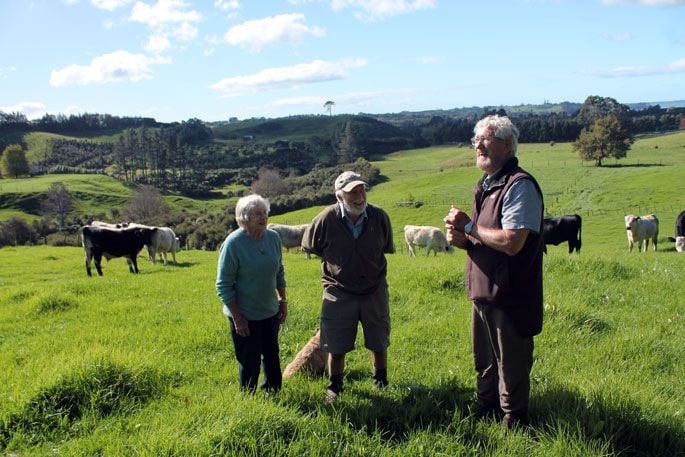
(557, 230)
(101, 239)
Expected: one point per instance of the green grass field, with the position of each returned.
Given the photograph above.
(141, 364)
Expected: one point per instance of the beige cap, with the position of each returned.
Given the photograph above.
(347, 181)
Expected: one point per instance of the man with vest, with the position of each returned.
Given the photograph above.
(352, 238)
(504, 246)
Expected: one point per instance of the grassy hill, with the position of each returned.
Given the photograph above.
(142, 364)
(92, 194)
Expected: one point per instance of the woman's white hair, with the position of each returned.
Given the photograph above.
(501, 127)
(246, 206)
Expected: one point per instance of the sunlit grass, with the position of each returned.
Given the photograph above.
(142, 364)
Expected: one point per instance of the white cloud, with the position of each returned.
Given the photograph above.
(677, 66)
(185, 32)
(646, 2)
(109, 5)
(114, 67)
(625, 36)
(431, 59)
(32, 110)
(286, 77)
(227, 5)
(157, 43)
(375, 10)
(162, 13)
(259, 33)
(4, 72)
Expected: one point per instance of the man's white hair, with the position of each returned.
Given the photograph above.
(501, 127)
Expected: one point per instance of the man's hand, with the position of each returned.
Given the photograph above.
(456, 219)
(456, 238)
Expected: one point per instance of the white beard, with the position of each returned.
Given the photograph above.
(352, 211)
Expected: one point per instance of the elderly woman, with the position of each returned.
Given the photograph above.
(251, 284)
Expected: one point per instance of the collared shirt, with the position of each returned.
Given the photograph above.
(355, 227)
(521, 207)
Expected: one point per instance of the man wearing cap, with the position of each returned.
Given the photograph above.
(352, 238)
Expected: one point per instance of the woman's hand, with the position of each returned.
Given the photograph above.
(240, 323)
(282, 311)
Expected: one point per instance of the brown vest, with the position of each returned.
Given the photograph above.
(513, 283)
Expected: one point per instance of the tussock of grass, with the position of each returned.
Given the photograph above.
(93, 391)
(54, 302)
(22, 295)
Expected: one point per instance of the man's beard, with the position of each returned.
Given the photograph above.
(353, 211)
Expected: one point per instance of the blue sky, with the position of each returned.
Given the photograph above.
(215, 59)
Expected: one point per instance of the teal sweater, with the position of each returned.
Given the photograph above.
(248, 272)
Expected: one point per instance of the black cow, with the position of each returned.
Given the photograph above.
(680, 224)
(111, 243)
(556, 230)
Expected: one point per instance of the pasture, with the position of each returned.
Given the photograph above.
(142, 364)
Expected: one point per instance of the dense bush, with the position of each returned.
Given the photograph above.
(16, 231)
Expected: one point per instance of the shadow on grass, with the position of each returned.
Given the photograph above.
(632, 165)
(394, 412)
(171, 264)
(629, 430)
(400, 410)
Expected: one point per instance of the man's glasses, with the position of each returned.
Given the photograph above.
(485, 139)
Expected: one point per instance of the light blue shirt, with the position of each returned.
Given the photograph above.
(249, 272)
(522, 207)
(355, 227)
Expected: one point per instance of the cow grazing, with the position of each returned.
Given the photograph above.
(640, 229)
(101, 242)
(163, 240)
(291, 235)
(556, 230)
(432, 238)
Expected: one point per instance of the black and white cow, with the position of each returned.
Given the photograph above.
(109, 243)
(556, 230)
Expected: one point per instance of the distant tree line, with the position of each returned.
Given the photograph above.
(559, 127)
(61, 123)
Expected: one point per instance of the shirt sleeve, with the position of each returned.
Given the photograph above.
(227, 269)
(280, 274)
(522, 207)
(309, 239)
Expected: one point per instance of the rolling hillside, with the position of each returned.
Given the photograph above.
(142, 364)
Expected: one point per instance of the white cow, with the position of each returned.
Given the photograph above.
(291, 235)
(163, 240)
(640, 229)
(432, 238)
